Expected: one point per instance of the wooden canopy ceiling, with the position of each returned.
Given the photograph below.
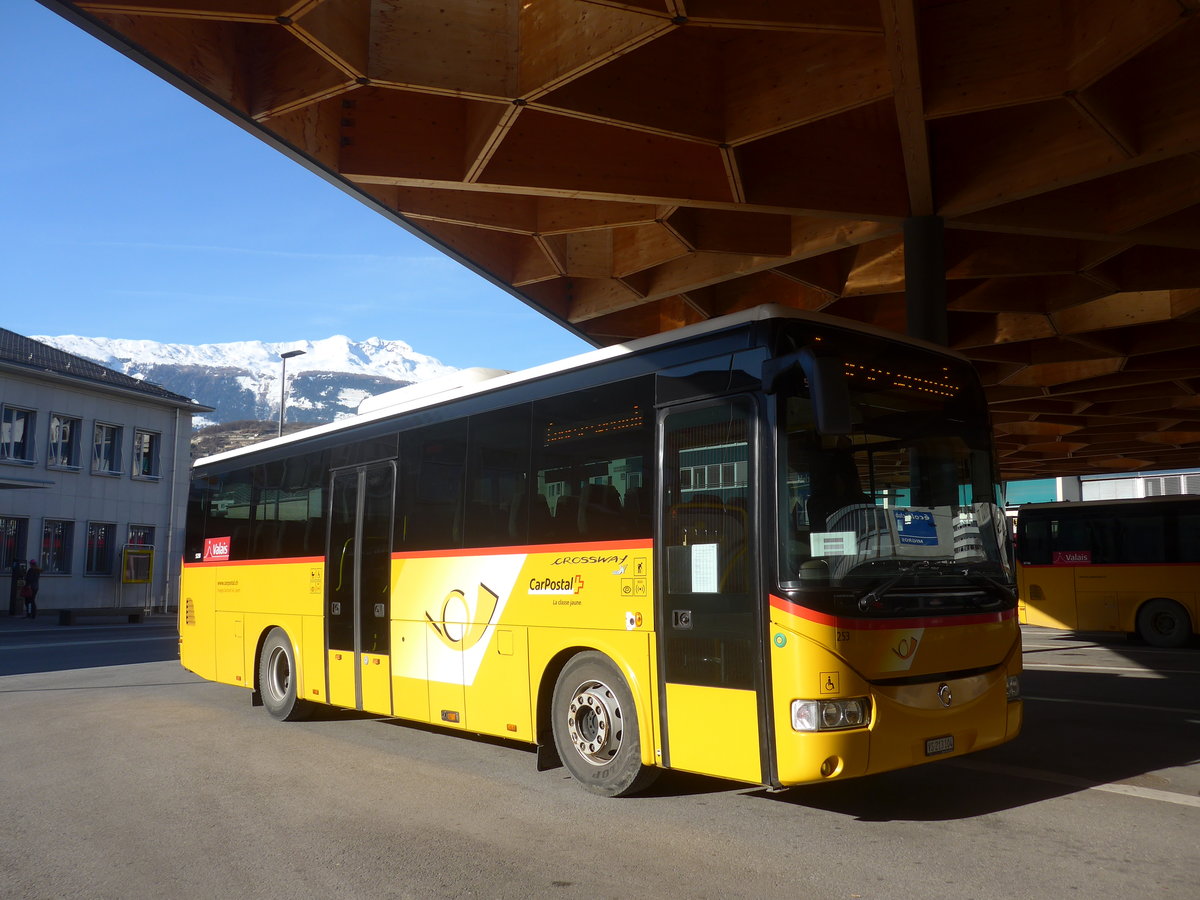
(629, 167)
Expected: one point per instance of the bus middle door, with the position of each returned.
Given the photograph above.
(358, 579)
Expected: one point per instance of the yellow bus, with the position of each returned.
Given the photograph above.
(767, 548)
(1116, 565)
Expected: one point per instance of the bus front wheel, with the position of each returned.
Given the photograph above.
(596, 727)
(277, 679)
(1164, 623)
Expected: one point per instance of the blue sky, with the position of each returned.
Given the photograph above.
(129, 210)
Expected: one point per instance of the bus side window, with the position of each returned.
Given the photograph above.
(1033, 548)
(497, 460)
(432, 466)
(1141, 539)
(592, 461)
(1188, 536)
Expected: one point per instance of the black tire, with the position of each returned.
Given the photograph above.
(596, 729)
(277, 679)
(1164, 623)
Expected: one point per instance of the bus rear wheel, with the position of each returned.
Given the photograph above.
(277, 679)
(1164, 623)
(596, 728)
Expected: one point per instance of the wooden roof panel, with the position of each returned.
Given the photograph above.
(630, 166)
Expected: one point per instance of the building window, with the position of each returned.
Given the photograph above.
(12, 542)
(100, 548)
(106, 449)
(145, 454)
(16, 434)
(64, 442)
(141, 535)
(57, 536)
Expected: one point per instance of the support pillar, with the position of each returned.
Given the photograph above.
(925, 278)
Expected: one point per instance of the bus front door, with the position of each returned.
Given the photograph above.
(709, 619)
(358, 581)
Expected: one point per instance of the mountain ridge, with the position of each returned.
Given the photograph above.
(240, 379)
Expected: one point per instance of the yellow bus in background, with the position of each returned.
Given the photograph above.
(766, 548)
(1129, 565)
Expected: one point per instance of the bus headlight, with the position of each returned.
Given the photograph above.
(831, 715)
(1013, 687)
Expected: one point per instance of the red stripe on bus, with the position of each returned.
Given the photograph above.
(820, 618)
(1158, 565)
(603, 547)
(297, 560)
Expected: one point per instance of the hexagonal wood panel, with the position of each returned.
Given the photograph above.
(630, 167)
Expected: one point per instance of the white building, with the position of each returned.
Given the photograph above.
(93, 464)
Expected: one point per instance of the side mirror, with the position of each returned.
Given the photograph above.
(826, 382)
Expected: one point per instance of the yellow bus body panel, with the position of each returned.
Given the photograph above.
(231, 608)
(1046, 595)
(340, 664)
(410, 694)
(714, 731)
(197, 622)
(904, 716)
(1103, 597)
(471, 639)
(376, 683)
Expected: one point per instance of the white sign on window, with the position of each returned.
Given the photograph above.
(704, 569)
(833, 543)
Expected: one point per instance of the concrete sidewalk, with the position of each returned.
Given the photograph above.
(48, 618)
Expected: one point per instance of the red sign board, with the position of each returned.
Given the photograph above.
(216, 549)
(1072, 557)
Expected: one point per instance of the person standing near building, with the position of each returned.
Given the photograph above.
(16, 600)
(33, 575)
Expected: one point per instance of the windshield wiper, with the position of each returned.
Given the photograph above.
(876, 593)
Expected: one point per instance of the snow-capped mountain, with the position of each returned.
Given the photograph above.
(241, 380)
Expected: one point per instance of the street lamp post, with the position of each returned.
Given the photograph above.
(283, 384)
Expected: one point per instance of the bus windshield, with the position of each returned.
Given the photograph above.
(902, 513)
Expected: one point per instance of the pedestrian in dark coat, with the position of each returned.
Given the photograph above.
(33, 577)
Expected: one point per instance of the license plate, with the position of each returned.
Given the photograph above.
(937, 745)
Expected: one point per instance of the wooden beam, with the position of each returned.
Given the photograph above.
(338, 32)
(983, 331)
(542, 150)
(466, 48)
(420, 136)
(206, 51)
(556, 214)
(827, 272)
(668, 88)
(1104, 34)
(904, 62)
(843, 17)
(248, 11)
(284, 73)
(487, 124)
(721, 231)
(765, 91)
(850, 164)
(592, 297)
(561, 40)
(1036, 294)
(987, 158)
(1121, 205)
(642, 247)
(497, 211)
(980, 56)
(1124, 310)
(315, 129)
